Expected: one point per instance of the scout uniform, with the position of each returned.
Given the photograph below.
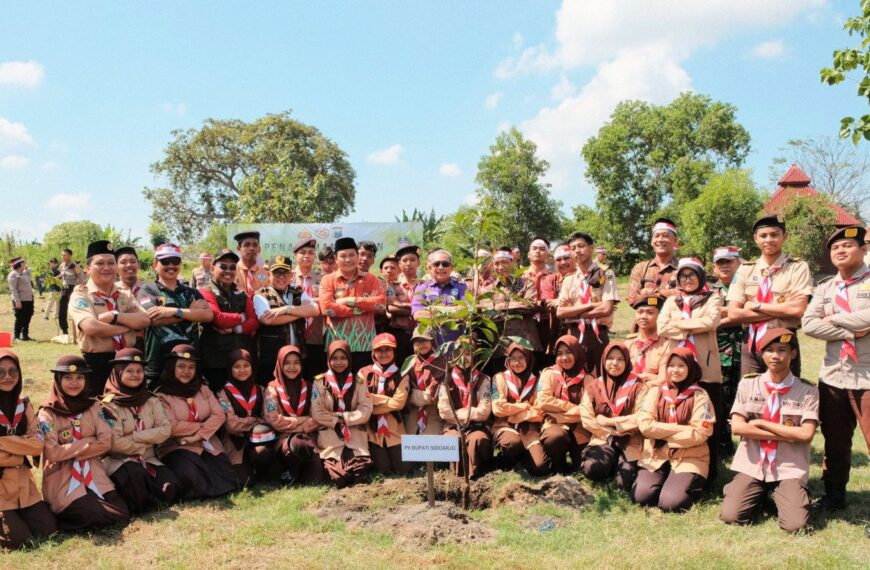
(315, 362)
(288, 411)
(71, 275)
(648, 354)
(595, 285)
(676, 422)
(402, 325)
(24, 516)
(531, 274)
(425, 374)
(249, 278)
(342, 438)
(465, 402)
(760, 282)
(201, 276)
(654, 277)
(838, 315)
(551, 286)
(519, 298)
(779, 466)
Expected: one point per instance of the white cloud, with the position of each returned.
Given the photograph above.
(563, 89)
(22, 73)
(493, 100)
(769, 50)
(49, 165)
(70, 203)
(503, 127)
(450, 169)
(178, 109)
(390, 155)
(13, 161)
(14, 134)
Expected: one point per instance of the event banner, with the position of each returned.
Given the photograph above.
(278, 239)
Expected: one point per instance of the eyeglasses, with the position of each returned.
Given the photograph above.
(226, 267)
(516, 359)
(688, 277)
(441, 264)
(12, 373)
(170, 261)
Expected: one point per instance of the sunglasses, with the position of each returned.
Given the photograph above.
(12, 373)
(226, 267)
(170, 261)
(441, 264)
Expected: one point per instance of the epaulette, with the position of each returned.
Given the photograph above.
(632, 335)
(789, 258)
(320, 376)
(751, 375)
(108, 398)
(825, 280)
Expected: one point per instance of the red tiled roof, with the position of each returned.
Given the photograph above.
(794, 176)
(795, 183)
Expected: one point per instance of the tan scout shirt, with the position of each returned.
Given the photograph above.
(127, 441)
(686, 445)
(236, 426)
(310, 284)
(656, 354)
(211, 418)
(425, 398)
(389, 406)
(702, 326)
(331, 444)
(505, 298)
(85, 304)
(800, 405)
(509, 414)
(17, 486)
(282, 421)
(603, 289)
(61, 450)
(649, 275)
(559, 411)
(475, 414)
(820, 321)
(794, 277)
(626, 425)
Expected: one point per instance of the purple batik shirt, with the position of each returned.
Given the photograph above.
(428, 291)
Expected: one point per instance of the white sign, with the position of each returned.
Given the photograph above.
(441, 448)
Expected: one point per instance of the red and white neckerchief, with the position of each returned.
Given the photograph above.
(585, 295)
(139, 425)
(764, 294)
(841, 305)
(16, 419)
(422, 373)
(80, 472)
(248, 404)
(464, 389)
(686, 314)
(285, 401)
(771, 413)
(383, 376)
(643, 346)
(250, 283)
(672, 401)
(112, 304)
(513, 386)
(570, 382)
(339, 393)
(193, 416)
(618, 403)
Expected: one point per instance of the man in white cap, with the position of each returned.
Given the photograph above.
(657, 276)
(201, 275)
(729, 335)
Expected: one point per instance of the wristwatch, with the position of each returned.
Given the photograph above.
(115, 314)
(179, 313)
(756, 306)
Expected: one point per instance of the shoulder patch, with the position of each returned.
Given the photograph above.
(108, 398)
(224, 404)
(105, 417)
(81, 303)
(270, 405)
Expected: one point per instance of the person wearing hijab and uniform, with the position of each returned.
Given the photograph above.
(517, 426)
(342, 406)
(74, 481)
(676, 419)
(425, 373)
(690, 319)
(139, 423)
(465, 404)
(649, 350)
(247, 438)
(24, 516)
(194, 453)
(559, 396)
(389, 393)
(610, 411)
(288, 410)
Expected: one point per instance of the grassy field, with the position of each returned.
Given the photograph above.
(280, 527)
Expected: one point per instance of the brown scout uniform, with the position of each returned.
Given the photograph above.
(517, 427)
(386, 451)
(425, 398)
(655, 354)
(702, 326)
(127, 441)
(560, 407)
(627, 424)
(211, 419)
(17, 485)
(477, 416)
(602, 281)
(330, 443)
(236, 429)
(295, 447)
(650, 274)
(526, 326)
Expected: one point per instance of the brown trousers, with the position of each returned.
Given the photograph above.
(602, 463)
(667, 490)
(19, 527)
(512, 451)
(143, 491)
(558, 445)
(479, 448)
(350, 470)
(389, 459)
(751, 362)
(744, 495)
(297, 454)
(91, 511)
(840, 411)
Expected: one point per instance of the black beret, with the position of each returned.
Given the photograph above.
(857, 233)
(775, 221)
(226, 254)
(242, 236)
(412, 249)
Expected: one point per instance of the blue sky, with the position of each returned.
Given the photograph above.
(414, 92)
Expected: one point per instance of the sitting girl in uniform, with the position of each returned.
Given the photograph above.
(194, 452)
(609, 410)
(517, 426)
(389, 393)
(676, 419)
(342, 406)
(561, 390)
(74, 481)
(288, 410)
(424, 372)
(247, 439)
(139, 423)
(24, 516)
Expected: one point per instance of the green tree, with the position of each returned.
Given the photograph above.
(511, 175)
(433, 225)
(73, 235)
(214, 241)
(722, 214)
(462, 237)
(854, 59)
(274, 169)
(157, 233)
(810, 220)
(647, 155)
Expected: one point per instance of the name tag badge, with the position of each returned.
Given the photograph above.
(863, 294)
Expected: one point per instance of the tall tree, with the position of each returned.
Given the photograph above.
(74, 235)
(648, 154)
(433, 225)
(511, 177)
(274, 169)
(854, 59)
(810, 220)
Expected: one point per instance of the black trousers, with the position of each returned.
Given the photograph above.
(62, 307)
(98, 362)
(22, 319)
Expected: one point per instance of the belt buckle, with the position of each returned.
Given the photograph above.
(10, 430)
